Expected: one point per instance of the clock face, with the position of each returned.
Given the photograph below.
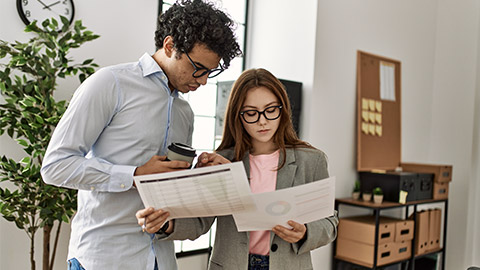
(30, 10)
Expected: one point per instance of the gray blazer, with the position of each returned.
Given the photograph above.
(230, 250)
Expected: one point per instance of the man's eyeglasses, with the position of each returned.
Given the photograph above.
(270, 113)
(201, 71)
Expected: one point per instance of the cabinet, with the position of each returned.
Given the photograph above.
(377, 208)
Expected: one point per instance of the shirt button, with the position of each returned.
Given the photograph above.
(92, 188)
(274, 247)
(122, 185)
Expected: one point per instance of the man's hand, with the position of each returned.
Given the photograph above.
(210, 159)
(157, 164)
(293, 235)
(152, 221)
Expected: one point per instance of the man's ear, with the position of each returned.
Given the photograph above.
(168, 46)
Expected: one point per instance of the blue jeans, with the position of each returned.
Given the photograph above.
(258, 262)
(74, 264)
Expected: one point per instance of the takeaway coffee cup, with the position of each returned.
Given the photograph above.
(180, 151)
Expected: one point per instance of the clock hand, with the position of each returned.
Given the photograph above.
(51, 5)
(45, 6)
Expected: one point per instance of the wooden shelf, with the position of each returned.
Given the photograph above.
(384, 204)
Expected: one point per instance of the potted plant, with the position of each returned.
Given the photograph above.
(356, 190)
(367, 196)
(377, 195)
(28, 79)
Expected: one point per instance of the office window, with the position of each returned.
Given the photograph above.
(203, 102)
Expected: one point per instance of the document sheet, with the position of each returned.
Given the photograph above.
(209, 191)
(302, 204)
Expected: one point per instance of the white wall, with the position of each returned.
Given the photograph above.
(127, 30)
(282, 40)
(473, 220)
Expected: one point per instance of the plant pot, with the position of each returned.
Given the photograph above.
(356, 195)
(377, 198)
(367, 197)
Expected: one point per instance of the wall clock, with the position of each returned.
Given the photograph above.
(30, 10)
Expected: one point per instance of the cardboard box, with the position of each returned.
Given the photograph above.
(443, 173)
(362, 229)
(402, 250)
(363, 254)
(403, 229)
(421, 232)
(440, 191)
(435, 217)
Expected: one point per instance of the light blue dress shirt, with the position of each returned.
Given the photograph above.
(116, 121)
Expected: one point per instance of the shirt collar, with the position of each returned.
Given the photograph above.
(150, 66)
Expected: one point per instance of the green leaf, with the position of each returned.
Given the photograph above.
(25, 160)
(39, 119)
(22, 142)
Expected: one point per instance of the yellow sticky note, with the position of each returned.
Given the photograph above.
(364, 104)
(402, 196)
(365, 127)
(371, 129)
(365, 116)
(378, 130)
(371, 117)
(378, 106)
(378, 118)
(371, 104)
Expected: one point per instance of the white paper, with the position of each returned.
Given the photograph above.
(209, 191)
(302, 204)
(387, 81)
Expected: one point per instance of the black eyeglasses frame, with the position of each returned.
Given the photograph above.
(242, 113)
(201, 71)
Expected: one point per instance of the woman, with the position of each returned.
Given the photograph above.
(258, 131)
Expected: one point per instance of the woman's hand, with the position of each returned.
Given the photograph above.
(293, 235)
(152, 220)
(210, 159)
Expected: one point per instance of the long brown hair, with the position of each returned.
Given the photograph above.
(234, 135)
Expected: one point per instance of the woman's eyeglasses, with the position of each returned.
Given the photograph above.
(270, 113)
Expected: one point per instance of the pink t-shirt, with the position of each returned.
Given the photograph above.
(263, 178)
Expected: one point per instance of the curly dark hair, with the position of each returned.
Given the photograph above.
(189, 22)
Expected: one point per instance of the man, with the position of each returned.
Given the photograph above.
(119, 124)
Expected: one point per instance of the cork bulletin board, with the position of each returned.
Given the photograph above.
(378, 112)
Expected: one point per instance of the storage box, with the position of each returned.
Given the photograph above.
(421, 232)
(402, 250)
(363, 254)
(435, 217)
(417, 185)
(440, 191)
(403, 228)
(424, 186)
(443, 173)
(362, 229)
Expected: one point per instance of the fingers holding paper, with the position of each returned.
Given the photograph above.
(151, 220)
(210, 159)
(293, 235)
